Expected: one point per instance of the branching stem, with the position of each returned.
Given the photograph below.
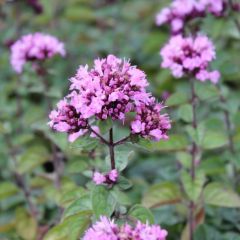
(194, 152)
(111, 148)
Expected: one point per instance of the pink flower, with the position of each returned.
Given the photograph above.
(66, 118)
(147, 232)
(113, 175)
(32, 47)
(108, 178)
(105, 229)
(150, 123)
(99, 178)
(181, 11)
(190, 55)
(109, 90)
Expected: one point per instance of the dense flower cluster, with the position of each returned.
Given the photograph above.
(32, 47)
(106, 229)
(111, 89)
(181, 11)
(109, 178)
(67, 119)
(149, 122)
(190, 55)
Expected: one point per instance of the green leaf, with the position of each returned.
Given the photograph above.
(219, 195)
(176, 99)
(213, 165)
(205, 231)
(71, 196)
(7, 189)
(214, 140)
(105, 125)
(185, 113)
(197, 135)
(83, 14)
(83, 204)
(85, 143)
(192, 188)
(120, 197)
(165, 193)
(174, 143)
(103, 203)
(26, 226)
(77, 166)
(121, 159)
(141, 213)
(32, 158)
(71, 228)
(206, 91)
(184, 158)
(124, 183)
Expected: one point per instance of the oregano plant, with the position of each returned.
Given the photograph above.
(140, 149)
(113, 91)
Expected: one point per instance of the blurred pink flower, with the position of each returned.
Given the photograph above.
(32, 47)
(181, 11)
(109, 178)
(190, 55)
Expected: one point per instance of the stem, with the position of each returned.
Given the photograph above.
(230, 134)
(57, 163)
(228, 125)
(57, 166)
(194, 153)
(111, 148)
(27, 194)
(20, 181)
(19, 106)
(123, 140)
(99, 136)
(42, 72)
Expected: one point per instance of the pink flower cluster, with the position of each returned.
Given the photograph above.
(109, 178)
(105, 229)
(32, 47)
(190, 55)
(111, 89)
(149, 122)
(181, 11)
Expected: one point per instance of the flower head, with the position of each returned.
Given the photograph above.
(105, 229)
(32, 47)
(150, 123)
(110, 89)
(108, 178)
(99, 178)
(66, 118)
(190, 55)
(182, 11)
